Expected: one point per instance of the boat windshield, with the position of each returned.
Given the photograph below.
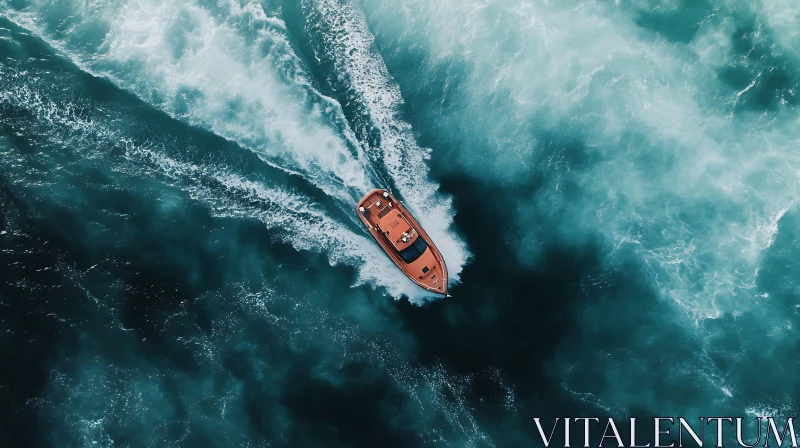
(414, 251)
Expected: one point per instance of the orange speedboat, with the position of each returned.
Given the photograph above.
(404, 240)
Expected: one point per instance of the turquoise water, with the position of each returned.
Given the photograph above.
(614, 187)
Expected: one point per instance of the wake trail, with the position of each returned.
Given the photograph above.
(296, 219)
(349, 45)
(236, 76)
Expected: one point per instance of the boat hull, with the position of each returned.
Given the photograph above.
(428, 271)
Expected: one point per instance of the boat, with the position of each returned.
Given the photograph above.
(403, 240)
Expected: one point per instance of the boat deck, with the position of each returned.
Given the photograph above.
(398, 233)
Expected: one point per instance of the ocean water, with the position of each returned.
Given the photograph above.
(614, 185)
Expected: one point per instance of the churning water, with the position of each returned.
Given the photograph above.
(615, 186)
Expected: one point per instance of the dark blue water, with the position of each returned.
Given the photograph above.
(614, 186)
